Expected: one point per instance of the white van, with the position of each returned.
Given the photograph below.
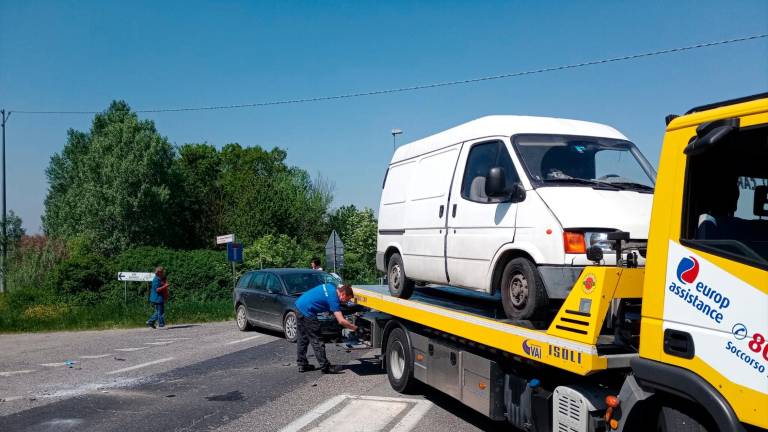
(510, 204)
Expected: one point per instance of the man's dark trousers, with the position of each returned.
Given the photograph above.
(309, 332)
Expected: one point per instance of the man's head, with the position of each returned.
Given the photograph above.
(345, 293)
(160, 271)
(315, 263)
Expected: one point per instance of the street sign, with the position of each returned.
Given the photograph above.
(235, 252)
(334, 252)
(135, 277)
(227, 238)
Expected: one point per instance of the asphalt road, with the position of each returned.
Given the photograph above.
(204, 377)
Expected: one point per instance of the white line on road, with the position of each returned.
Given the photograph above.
(139, 366)
(332, 423)
(11, 373)
(131, 349)
(95, 356)
(159, 343)
(69, 363)
(243, 340)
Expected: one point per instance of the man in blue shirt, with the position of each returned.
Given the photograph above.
(322, 298)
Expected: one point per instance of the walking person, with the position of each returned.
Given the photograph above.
(158, 294)
(322, 298)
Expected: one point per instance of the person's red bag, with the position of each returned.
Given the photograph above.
(163, 290)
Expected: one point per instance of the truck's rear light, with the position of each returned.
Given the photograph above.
(574, 242)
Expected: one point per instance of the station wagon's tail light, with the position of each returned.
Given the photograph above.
(574, 242)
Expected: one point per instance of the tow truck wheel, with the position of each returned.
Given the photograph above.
(679, 419)
(399, 284)
(399, 362)
(242, 319)
(522, 291)
(291, 326)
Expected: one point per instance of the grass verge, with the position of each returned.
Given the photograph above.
(52, 317)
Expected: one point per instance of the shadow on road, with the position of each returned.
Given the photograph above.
(463, 412)
(175, 327)
(366, 367)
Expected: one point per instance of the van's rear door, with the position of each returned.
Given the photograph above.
(478, 225)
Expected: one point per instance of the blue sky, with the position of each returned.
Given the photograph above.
(67, 55)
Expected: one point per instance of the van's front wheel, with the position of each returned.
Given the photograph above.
(522, 291)
(399, 284)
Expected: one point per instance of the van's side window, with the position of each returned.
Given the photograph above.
(482, 157)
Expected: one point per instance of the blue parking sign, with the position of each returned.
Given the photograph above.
(235, 252)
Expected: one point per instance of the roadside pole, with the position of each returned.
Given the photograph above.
(4, 243)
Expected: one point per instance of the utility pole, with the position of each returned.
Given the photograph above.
(4, 244)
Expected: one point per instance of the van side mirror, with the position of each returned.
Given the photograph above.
(496, 183)
(496, 187)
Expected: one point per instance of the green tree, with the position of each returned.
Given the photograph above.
(197, 201)
(357, 229)
(110, 187)
(263, 195)
(14, 230)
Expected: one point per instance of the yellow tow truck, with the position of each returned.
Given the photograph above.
(679, 345)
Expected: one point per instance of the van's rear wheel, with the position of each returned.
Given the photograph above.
(399, 284)
(522, 291)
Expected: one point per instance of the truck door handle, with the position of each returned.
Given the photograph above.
(453, 212)
(679, 344)
(442, 210)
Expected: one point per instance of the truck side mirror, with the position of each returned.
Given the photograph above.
(496, 183)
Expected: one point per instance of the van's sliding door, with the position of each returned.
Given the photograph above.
(426, 210)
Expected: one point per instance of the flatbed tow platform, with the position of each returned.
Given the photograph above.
(572, 342)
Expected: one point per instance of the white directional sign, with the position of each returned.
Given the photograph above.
(135, 277)
(223, 239)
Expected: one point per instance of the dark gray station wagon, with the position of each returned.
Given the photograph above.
(266, 298)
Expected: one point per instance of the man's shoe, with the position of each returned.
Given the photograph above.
(306, 368)
(332, 369)
(151, 325)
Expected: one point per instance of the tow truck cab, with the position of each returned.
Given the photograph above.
(705, 300)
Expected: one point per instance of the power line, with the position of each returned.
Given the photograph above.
(428, 86)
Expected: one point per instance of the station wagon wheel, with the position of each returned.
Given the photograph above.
(291, 326)
(241, 318)
(399, 284)
(522, 291)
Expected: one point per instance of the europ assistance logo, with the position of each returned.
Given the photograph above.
(687, 270)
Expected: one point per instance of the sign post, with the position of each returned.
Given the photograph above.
(234, 253)
(334, 252)
(133, 277)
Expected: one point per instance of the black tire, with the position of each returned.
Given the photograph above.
(399, 362)
(399, 284)
(291, 327)
(522, 291)
(682, 418)
(241, 318)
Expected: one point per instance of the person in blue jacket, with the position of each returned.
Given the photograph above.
(157, 298)
(322, 298)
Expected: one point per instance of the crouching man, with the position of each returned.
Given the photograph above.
(322, 298)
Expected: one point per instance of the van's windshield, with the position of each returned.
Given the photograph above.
(597, 162)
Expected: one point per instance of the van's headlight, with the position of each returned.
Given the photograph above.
(578, 242)
(599, 239)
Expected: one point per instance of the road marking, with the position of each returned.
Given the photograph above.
(69, 363)
(159, 343)
(11, 373)
(95, 356)
(11, 398)
(376, 412)
(131, 349)
(243, 340)
(139, 366)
